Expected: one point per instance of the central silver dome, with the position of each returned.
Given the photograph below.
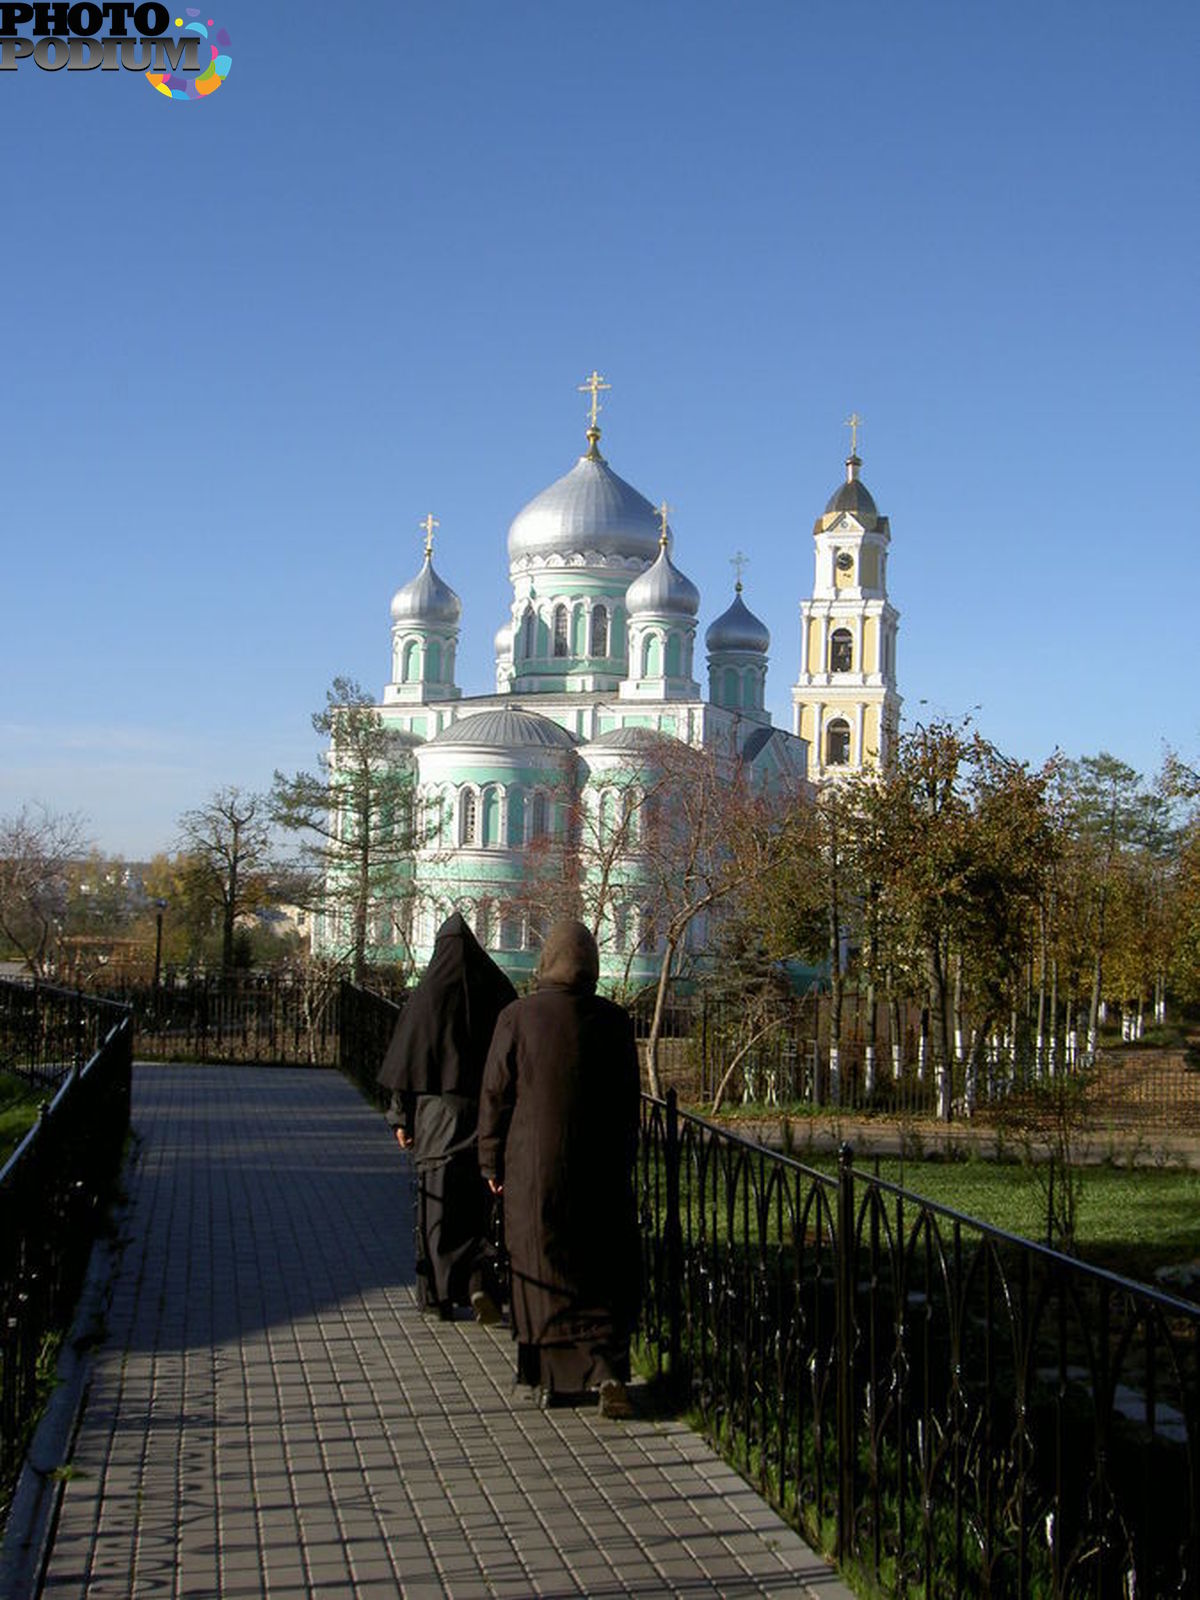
(589, 510)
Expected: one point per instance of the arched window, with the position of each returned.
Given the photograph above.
(841, 651)
(537, 822)
(516, 822)
(510, 931)
(467, 817)
(433, 661)
(560, 630)
(731, 697)
(674, 656)
(410, 669)
(837, 743)
(528, 623)
(491, 817)
(608, 813)
(651, 656)
(599, 645)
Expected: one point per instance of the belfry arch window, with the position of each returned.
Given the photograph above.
(841, 651)
(560, 631)
(410, 670)
(837, 743)
(467, 817)
(599, 643)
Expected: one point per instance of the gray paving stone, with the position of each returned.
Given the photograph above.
(271, 1415)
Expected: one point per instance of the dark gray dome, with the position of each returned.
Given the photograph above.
(426, 599)
(505, 729)
(737, 629)
(643, 739)
(853, 496)
(589, 509)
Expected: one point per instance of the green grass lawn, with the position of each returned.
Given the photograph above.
(18, 1111)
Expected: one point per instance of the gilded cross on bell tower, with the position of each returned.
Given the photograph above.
(663, 513)
(739, 563)
(429, 524)
(595, 386)
(854, 422)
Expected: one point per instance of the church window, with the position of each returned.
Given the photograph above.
(651, 656)
(837, 743)
(537, 825)
(731, 697)
(674, 656)
(467, 817)
(433, 661)
(491, 817)
(578, 631)
(528, 623)
(410, 670)
(516, 819)
(510, 931)
(560, 630)
(841, 651)
(599, 646)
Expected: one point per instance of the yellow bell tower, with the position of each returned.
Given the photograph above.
(845, 701)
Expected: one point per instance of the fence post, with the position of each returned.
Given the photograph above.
(674, 1243)
(844, 1326)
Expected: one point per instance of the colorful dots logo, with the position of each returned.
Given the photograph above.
(178, 85)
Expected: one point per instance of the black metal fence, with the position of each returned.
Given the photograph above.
(52, 1196)
(46, 1031)
(367, 1021)
(953, 1410)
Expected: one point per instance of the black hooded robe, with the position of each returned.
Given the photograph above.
(434, 1067)
(558, 1126)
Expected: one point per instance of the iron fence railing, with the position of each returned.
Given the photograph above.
(52, 1195)
(47, 1031)
(367, 1023)
(953, 1410)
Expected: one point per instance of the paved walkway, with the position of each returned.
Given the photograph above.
(269, 1414)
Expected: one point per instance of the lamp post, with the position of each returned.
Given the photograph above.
(160, 907)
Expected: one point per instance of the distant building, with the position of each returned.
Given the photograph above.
(596, 663)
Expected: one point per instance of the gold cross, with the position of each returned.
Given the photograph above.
(595, 384)
(738, 562)
(664, 511)
(854, 423)
(430, 523)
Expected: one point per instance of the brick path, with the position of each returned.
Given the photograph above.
(269, 1414)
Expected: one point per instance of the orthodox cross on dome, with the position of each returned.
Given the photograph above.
(854, 422)
(739, 562)
(663, 513)
(595, 386)
(429, 524)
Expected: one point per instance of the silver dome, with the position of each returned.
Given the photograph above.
(589, 509)
(426, 599)
(738, 629)
(662, 590)
(506, 729)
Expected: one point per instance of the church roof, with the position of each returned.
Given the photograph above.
(644, 739)
(737, 629)
(853, 496)
(506, 729)
(663, 590)
(589, 509)
(426, 599)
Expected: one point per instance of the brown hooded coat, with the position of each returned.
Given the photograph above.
(558, 1126)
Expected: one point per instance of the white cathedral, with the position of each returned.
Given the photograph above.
(596, 666)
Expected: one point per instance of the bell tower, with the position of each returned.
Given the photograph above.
(845, 701)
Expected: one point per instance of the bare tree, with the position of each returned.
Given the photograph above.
(37, 846)
(226, 843)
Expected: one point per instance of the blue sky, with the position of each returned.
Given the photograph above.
(249, 343)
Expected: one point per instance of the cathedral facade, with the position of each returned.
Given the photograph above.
(597, 673)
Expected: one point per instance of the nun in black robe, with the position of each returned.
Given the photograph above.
(434, 1067)
(558, 1132)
